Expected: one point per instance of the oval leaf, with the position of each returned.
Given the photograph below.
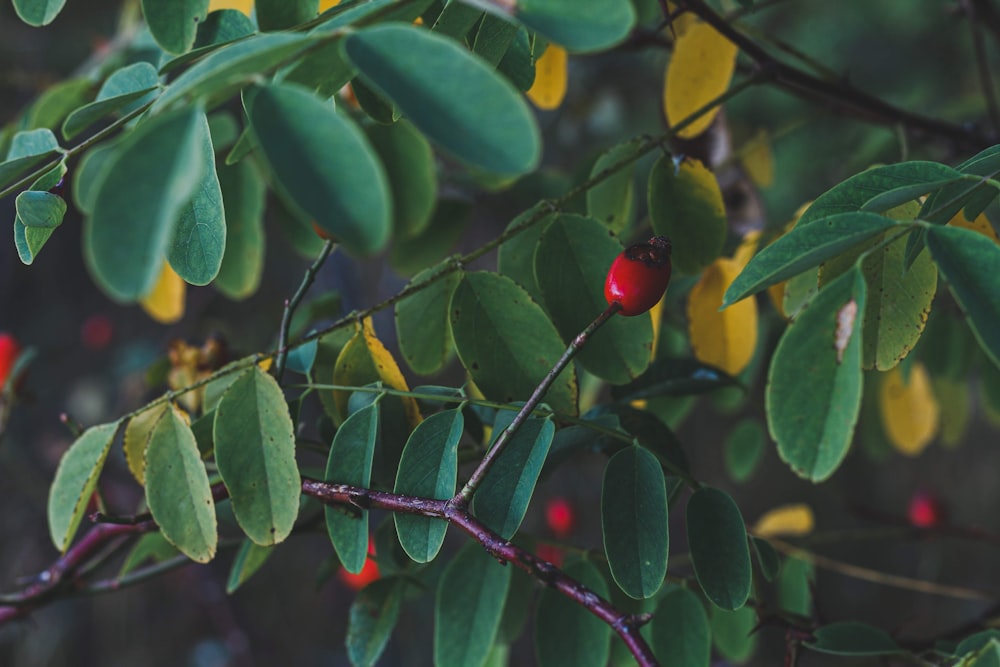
(491, 317)
(504, 494)
(678, 194)
(723, 338)
(700, 70)
(38, 12)
(634, 519)
(255, 451)
(551, 76)
(719, 550)
(910, 412)
(853, 638)
(243, 260)
(428, 468)
(177, 489)
(814, 383)
(324, 166)
(968, 262)
(571, 261)
(454, 98)
(174, 23)
(412, 174)
(680, 633)
(423, 326)
(75, 480)
(152, 177)
(470, 596)
(137, 437)
(350, 462)
(566, 633)
(594, 25)
(611, 201)
(371, 620)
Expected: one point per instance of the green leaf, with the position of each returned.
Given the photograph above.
(566, 633)
(493, 38)
(451, 96)
(518, 63)
(814, 383)
(75, 480)
(428, 468)
(680, 632)
(177, 490)
(151, 546)
(174, 23)
(255, 451)
(634, 519)
(284, 14)
(456, 20)
(29, 240)
(412, 174)
(852, 194)
(853, 638)
(378, 108)
(412, 255)
(491, 318)
(27, 151)
(674, 376)
(611, 201)
(150, 178)
(221, 74)
(517, 606)
(571, 262)
(968, 261)
(503, 496)
(732, 633)
(222, 26)
(199, 238)
(977, 641)
(516, 257)
(89, 174)
(124, 90)
(805, 247)
(350, 462)
(371, 620)
(323, 165)
(679, 193)
(767, 558)
(243, 260)
(795, 586)
(250, 558)
(422, 324)
(743, 448)
(719, 550)
(324, 70)
(40, 209)
(595, 25)
(38, 12)
(470, 599)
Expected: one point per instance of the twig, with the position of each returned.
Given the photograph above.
(840, 94)
(293, 303)
(626, 625)
(463, 497)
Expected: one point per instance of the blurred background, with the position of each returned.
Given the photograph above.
(93, 355)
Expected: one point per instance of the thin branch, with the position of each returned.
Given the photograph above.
(626, 625)
(462, 499)
(293, 303)
(839, 94)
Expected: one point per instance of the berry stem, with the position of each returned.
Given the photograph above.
(464, 497)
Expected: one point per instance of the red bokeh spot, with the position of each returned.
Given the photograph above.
(559, 516)
(925, 510)
(96, 332)
(367, 575)
(552, 554)
(9, 352)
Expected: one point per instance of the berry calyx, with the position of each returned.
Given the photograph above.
(10, 350)
(639, 276)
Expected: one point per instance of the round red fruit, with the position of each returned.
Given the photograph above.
(367, 575)
(9, 352)
(639, 276)
(925, 510)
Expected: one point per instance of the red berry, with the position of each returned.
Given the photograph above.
(9, 352)
(559, 517)
(925, 510)
(368, 573)
(96, 332)
(639, 276)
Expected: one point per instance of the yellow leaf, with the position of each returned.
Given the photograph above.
(137, 435)
(747, 249)
(699, 71)
(758, 160)
(981, 224)
(245, 6)
(910, 413)
(365, 360)
(681, 21)
(549, 88)
(327, 4)
(725, 338)
(165, 303)
(789, 520)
